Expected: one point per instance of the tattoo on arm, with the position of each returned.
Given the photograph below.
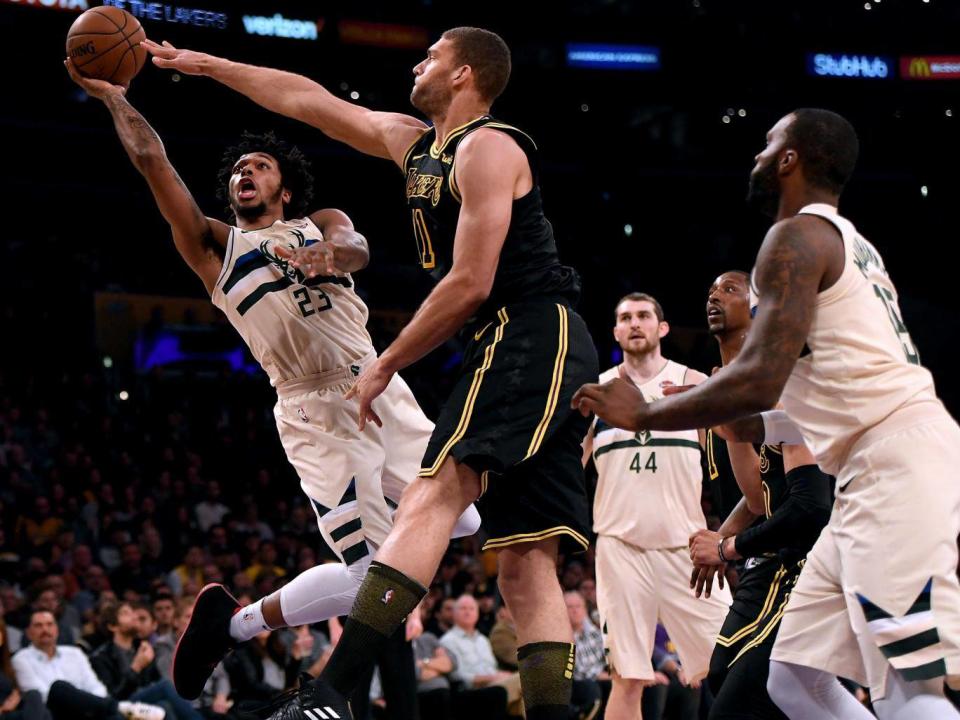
(789, 270)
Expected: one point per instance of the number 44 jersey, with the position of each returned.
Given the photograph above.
(294, 327)
(859, 367)
(648, 483)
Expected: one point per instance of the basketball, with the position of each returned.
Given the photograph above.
(104, 43)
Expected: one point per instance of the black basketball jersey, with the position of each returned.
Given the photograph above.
(528, 268)
(722, 483)
(772, 477)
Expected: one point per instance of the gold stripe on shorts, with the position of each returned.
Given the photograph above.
(770, 627)
(556, 382)
(471, 398)
(767, 605)
(502, 542)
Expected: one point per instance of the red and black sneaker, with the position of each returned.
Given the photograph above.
(205, 642)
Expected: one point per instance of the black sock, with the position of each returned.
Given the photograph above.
(384, 599)
(546, 678)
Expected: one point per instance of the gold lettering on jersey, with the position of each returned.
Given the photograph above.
(424, 186)
(446, 159)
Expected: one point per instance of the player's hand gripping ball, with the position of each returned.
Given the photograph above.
(104, 44)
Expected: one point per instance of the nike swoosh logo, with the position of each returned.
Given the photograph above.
(478, 335)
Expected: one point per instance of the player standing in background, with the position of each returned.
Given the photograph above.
(878, 600)
(309, 336)
(507, 432)
(646, 507)
(782, 484)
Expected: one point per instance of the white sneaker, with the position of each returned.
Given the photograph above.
(140, 711)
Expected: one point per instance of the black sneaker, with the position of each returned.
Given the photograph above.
(206, 640)
(315, 700)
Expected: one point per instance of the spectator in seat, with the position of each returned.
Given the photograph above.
(15, 705)
(127, 666)
(66, 682)
(590, 666)
(476, 667)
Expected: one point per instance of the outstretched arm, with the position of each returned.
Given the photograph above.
(381, 134)
(490, 165)
(790, 266)
(343, 249)
(198, 239)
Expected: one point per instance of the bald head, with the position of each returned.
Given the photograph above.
(466, 613)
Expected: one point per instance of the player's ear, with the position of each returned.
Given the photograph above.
(788, 162)
(462, 73)
(663, 329)
(285, 196)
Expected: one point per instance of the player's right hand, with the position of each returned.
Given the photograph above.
(100, 89)
(189, 62)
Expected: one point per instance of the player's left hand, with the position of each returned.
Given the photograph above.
(616, 402)
(313, 260)
(369, 385)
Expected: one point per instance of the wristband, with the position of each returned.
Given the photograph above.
(779, 429)
(720, 550)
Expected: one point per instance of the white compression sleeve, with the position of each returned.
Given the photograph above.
(467, 524)
(804, 693)
(778, 429)
(322, 592)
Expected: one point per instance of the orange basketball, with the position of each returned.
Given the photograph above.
(104, 43)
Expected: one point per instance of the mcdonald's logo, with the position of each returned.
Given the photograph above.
(930, 67)
(919, 68)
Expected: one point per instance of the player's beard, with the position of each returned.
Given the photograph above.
(763, 193)
(430, 99)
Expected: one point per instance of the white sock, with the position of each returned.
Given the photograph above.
(248, 623)
(804, 693)
(906, 700)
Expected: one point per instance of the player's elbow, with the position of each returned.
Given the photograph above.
(473, 291)
(755, 505)
(363, 252)
(148, 159)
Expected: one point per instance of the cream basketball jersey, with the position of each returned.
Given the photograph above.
(293, 326)
(859, 365)
(649, 484)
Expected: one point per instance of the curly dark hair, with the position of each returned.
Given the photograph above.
(294, 170)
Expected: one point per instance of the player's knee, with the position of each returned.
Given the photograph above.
(511, 581)
(783, 686)
(630, 687)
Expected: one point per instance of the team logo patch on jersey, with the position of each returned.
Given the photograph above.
(303, 415)
(355, 369)
(266, 247)
(643, 436)
(387, 597)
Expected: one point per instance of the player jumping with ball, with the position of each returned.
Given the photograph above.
(309, 336)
